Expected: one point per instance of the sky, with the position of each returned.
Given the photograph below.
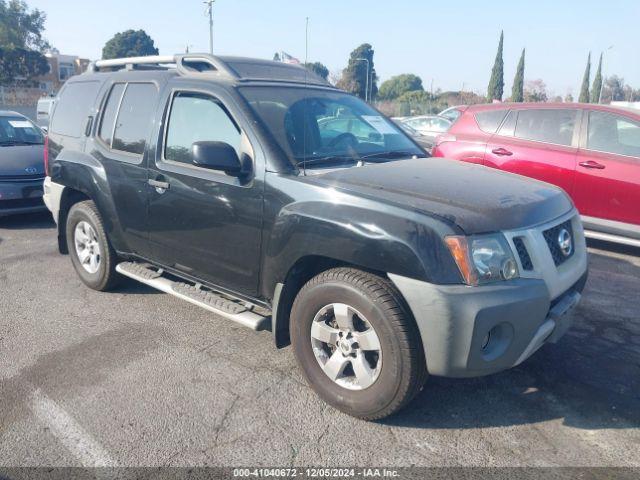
(450, 43)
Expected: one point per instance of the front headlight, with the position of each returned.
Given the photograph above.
(483, 258)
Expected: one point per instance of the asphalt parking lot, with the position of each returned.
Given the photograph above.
(138, 378)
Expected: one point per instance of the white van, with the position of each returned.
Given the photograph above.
(43, 110)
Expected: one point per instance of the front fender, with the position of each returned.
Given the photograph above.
(361, 233)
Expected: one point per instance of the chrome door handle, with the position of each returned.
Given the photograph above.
(592, 164)
(160, 187)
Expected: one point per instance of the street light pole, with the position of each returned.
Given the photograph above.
(209, 4)
(602, 86)
(366, 92)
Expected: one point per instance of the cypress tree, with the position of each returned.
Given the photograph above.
(496, 83)
(584, 90)
(517, 93)
(597, 83)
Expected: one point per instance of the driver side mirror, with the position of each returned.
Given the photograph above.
(218, 156)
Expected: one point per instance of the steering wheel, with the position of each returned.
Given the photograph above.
(348, 137)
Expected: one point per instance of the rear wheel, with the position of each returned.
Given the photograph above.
(357, 345)
(91, 253)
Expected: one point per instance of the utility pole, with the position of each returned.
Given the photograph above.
(366, 91)
(209, 4)
(602, 86)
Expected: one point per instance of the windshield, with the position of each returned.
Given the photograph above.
(313, 124)
(19, 131)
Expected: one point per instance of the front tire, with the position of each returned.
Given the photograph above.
(91, 253)
(356, 343)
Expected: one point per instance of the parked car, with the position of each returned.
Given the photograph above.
(214, 182)
(452, 113)
(21, 165)
(43, 111)
(424, 141)
(591, 151)
(430, 126)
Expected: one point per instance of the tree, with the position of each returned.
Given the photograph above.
(596, 89)
(568, 98)
(415, 102)
(614, 89)
(535, 91)
(354, 77)
(496, 83)
(130, 43)
(20, 28)
(276, 57)
(398, 85)
(319, 69)
(584, 90)
(21, 64)
(517, 92)
(21, 42)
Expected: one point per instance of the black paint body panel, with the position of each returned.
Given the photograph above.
(245, 234)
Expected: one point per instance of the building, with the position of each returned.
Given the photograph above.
(61, 67)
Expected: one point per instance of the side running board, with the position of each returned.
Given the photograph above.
(217, 303)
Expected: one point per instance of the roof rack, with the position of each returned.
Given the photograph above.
(185, 64)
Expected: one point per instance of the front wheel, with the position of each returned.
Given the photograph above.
(91, 253)
(357, 345)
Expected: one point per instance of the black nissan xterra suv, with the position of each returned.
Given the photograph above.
(258, 191)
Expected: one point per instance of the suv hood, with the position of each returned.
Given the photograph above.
(477, 199)
(20, 160)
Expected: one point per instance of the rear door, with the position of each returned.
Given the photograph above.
(120, 144)
(537, 143)
(608, 172)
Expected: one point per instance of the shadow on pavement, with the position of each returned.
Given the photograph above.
(614, 247)
(590, 379)
(27, 221)
(130, 286)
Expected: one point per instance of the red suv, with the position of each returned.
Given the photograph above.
(591, 151)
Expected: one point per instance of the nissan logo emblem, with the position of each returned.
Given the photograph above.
(31, 170)
(564, 242)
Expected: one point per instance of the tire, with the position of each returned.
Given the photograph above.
(84, 221)
(372, 303)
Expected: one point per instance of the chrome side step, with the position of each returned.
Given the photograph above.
(215, 302)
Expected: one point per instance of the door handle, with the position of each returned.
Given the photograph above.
(502, 152)
(592, 164)
(160, 187)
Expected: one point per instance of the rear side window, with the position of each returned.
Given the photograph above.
(550, 126)
(73, 107)
(196, 117)
(110, 112)
(613, 134)
(490, 120)
(135, 117)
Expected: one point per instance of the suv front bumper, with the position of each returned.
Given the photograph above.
(475, 331)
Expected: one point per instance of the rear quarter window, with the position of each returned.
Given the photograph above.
(490, 120)
(73, 107)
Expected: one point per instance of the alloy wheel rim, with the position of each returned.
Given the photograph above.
(87, 246)
(346, 346)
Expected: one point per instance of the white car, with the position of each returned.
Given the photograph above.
(428, 125)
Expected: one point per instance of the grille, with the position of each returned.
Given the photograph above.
(525, 259)
(551, 236)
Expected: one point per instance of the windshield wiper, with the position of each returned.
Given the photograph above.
(327, 159)
(394, 154)
(13, 143)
